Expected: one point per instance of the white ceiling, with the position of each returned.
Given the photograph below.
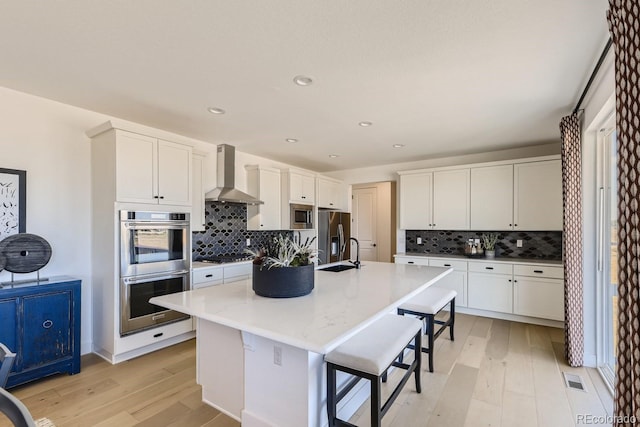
(440, 77)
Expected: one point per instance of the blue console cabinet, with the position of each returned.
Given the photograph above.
(40, 322)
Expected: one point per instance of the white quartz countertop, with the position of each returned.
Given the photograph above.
(340, 305)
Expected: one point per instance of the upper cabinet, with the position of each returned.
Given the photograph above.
(150, 170)
(415, 201)
(537, 195)
(506, 195)
(298, 187)
(451, 199)
(435, 200)
(492, 198)
(332, 194)
(198, 205)
(264, 183)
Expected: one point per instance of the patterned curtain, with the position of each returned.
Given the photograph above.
(624, 18)
(572, 230)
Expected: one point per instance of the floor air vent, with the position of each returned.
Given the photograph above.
(574, 381)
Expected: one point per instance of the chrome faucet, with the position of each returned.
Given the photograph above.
(357, 261)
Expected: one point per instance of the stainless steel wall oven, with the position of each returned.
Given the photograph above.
(154, 261)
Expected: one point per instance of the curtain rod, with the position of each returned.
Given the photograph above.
(593, 74)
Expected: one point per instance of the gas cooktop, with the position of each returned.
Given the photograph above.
(222, 259)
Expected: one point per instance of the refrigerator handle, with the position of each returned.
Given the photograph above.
(341, 242)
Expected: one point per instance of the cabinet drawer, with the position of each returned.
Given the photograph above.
(202, 275)
(455, 264)
(412, 260)
(538, 271)
(237, 272)
(491, 267)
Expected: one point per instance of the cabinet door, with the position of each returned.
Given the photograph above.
(270, 194)
(328, 194)
(174, 173)
(538, 297)
(197, 206)
(47, 328)
(492, 198)
(415, 201)
(8, 323)
(451, 200)
(136, 171)
(536, 185)
(456, 281)
(490, 292)
(308, 189)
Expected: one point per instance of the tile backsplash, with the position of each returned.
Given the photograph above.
(536, 244)
(226, 232)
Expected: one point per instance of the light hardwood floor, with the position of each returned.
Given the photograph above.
(496, 373)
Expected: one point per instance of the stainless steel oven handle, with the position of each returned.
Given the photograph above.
(142, 279)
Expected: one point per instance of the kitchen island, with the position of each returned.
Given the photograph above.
(260, 360)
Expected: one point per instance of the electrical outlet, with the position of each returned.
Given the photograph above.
(248, 242)
(419, 240)
(519, 243)
(277, 355)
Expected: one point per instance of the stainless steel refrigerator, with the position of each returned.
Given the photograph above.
(334, 231)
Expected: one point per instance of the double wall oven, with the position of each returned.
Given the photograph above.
(154, 260)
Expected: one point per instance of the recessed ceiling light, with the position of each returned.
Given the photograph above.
(365, 124)
(215, 110)
(398, 145)
(302, 80)
(291, 140)
(333, 156)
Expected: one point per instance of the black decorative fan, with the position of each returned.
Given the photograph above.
(24, 253)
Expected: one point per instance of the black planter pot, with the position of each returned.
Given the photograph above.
(283, 282)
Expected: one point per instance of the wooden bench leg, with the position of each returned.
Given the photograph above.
(452, 315)
(430, 324)
(376, 402)
(418, 355)
(331, 395)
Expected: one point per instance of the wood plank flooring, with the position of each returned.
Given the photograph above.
(496, 373)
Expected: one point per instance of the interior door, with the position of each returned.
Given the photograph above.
(365, 202)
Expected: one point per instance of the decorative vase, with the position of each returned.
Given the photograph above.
(283, 282)
(490, 254)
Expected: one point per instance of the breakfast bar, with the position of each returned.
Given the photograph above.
(260, 360)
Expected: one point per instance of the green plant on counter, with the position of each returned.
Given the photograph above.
(285, 251)
(489, 241)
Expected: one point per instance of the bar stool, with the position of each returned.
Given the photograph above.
(368, 355)
(426, 305)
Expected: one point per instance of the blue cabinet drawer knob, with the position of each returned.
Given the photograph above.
(47, 324)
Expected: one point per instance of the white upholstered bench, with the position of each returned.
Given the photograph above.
(368, 355)
(426, 305)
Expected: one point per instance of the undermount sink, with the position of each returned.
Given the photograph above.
(337, 268)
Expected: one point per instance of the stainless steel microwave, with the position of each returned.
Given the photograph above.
(301, 217)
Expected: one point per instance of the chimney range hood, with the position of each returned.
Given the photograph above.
(226, 191)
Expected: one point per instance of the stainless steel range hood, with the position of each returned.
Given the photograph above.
(226, 191)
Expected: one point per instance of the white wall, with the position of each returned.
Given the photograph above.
(47, 139)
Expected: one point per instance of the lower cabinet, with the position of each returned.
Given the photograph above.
(41, 324)
(532, 290)
(491, 292)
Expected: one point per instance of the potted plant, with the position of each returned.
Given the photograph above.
(489, 243)
(284, 268)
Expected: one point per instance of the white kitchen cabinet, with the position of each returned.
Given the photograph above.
(150, 170)
(538, 291)
(492, 197)
(435, 200)
(411, 260)
(332, 194)
(490, 286)
(451, 200)
(416, 201)
(298, 187)
(456, 280)
(207, 276)
(538, 195)
(264, 183)
(198, 205)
